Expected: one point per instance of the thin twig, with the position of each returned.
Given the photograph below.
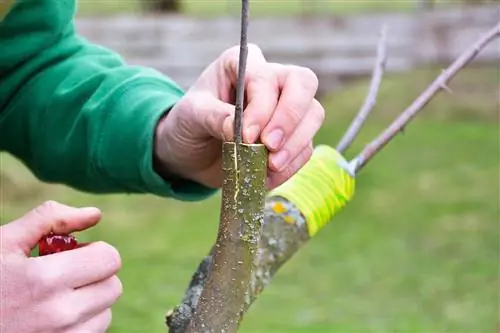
(371, 99)
(440, 83)
(240, 86)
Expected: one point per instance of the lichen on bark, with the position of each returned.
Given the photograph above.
(221, 303)
(284, 232)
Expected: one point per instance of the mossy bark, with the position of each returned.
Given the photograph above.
(222, 300)
(284, 232)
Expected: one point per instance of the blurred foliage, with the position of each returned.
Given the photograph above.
(161, 6)
(416, 251)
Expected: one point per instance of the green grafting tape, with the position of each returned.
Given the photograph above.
(320, 189)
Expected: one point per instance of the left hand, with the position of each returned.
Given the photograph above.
(281, 112)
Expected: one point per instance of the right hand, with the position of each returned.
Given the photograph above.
(282, 112)
(70, 291)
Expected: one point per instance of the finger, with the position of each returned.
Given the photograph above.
(96, 298)
(78, 267)
(213, 115)
(299, 88)
(300, 139)
(25, 232)
(275, 179)
(261, 90)
(97, 324)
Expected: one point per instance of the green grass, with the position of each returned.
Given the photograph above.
(258, 7)
(416, 251)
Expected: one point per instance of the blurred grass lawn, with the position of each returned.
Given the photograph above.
(416, 251)
(258, 7)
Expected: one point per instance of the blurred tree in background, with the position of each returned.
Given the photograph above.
(162, 6)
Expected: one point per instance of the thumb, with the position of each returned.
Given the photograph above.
(214, 116)
(25, 232)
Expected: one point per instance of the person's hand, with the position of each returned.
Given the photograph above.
(66, 292)
(281, 112)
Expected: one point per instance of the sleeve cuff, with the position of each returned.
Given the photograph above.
(127, 143)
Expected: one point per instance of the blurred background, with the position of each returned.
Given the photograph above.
(418, 248)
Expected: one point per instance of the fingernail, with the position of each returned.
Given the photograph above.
(90, 210)
(274, 139)
(280, 159)
(253, 133)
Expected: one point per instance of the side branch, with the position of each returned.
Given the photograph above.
(440, 83)
(371, 98)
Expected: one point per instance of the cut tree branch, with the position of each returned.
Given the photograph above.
(285, 228)
(440, 83)
(371, 97)
(224, 297)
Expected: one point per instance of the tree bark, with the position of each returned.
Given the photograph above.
(293, 213)
(225, 297)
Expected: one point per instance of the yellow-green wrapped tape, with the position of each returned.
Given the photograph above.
(320, 189)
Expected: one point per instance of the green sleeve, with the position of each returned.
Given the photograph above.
(83, 118)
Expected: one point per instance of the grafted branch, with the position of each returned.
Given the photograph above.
(221, 303)
(224, 297)
(302, 206)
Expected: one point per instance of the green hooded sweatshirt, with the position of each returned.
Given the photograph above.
(73, 112)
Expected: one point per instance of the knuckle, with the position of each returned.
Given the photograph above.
(307, 154)
(60, 314)
(302, 159)
(116, 287)
(47, 208)
(42, 278)
(105, 320)
(289, 171)
(230, 58)
(309, 79)
(254, 48)
(36, 283)
(50, 212)
(231, 53)
(234, 51)
(294, 115)
(318, 112)
(68, 315)
(199, 103)
(111, 255)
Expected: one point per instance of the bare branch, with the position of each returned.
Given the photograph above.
(240, 86)
(371, 99)
(440, 83)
